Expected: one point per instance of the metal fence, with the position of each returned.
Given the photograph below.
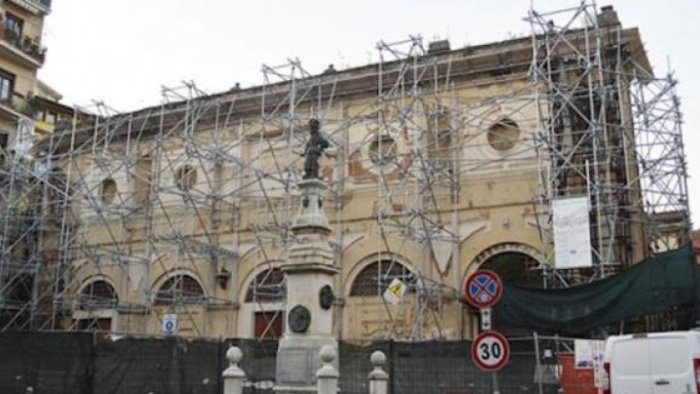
(82, 363)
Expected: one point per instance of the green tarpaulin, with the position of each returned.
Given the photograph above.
(657, 284)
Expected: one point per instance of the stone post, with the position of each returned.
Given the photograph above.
(327, 375)
(233, 375)
(378, 379)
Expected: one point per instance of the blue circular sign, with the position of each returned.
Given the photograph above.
(169, 326)
(483, 288)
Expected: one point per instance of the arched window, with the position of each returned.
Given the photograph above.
(268, 286)
(382, 150)
(374, 278)
(98, 295)
(108, 191)
(180, 289)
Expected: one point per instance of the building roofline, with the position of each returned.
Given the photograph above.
(41, 85)
(508, 57)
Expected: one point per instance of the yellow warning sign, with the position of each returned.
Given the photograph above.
(395, 291)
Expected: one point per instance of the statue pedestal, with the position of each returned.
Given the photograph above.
(297, 363)
(308, 313)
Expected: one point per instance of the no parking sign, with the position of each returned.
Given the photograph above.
(483, 288)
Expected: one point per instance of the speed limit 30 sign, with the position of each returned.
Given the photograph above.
(490, 351)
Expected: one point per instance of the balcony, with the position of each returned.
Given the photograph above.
(14, 107)
(24, 49)
(43, 3)
(43, 127)
(35, 6)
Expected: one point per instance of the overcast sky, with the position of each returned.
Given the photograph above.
(122, 52)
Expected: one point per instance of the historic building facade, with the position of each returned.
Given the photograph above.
(175, 218)
(29, 111)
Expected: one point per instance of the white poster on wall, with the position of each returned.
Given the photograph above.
(572, 236)
(589, 354)
(599, 377)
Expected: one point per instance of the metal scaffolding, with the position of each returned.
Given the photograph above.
(126, 194)
(610, 132)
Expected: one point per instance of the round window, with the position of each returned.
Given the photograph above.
(503, 134)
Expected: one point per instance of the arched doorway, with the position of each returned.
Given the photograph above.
(516, 268)
(517, 265)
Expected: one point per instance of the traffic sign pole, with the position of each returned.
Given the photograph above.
(485, 319)
(483, 289)
(490, 350)
(494, 382)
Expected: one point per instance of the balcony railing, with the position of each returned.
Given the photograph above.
(28, 45)
(35, 5)
(18, 103)
(45, 3)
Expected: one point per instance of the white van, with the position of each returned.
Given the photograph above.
(655, 363)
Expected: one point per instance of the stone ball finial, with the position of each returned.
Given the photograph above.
(234, 355)
(378, 359)
(327, 354)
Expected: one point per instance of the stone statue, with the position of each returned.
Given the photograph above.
(314, 150)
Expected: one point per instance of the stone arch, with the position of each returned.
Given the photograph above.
(178, 287)
(98, 292)
(264, 284)
(247, 251)
(249, 275)
(512, 260)
(252, 260)
(378, 268)
(362, 248)
(366, 315)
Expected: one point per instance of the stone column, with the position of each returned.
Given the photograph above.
(309, 271)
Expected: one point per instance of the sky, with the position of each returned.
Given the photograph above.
(123, 52)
